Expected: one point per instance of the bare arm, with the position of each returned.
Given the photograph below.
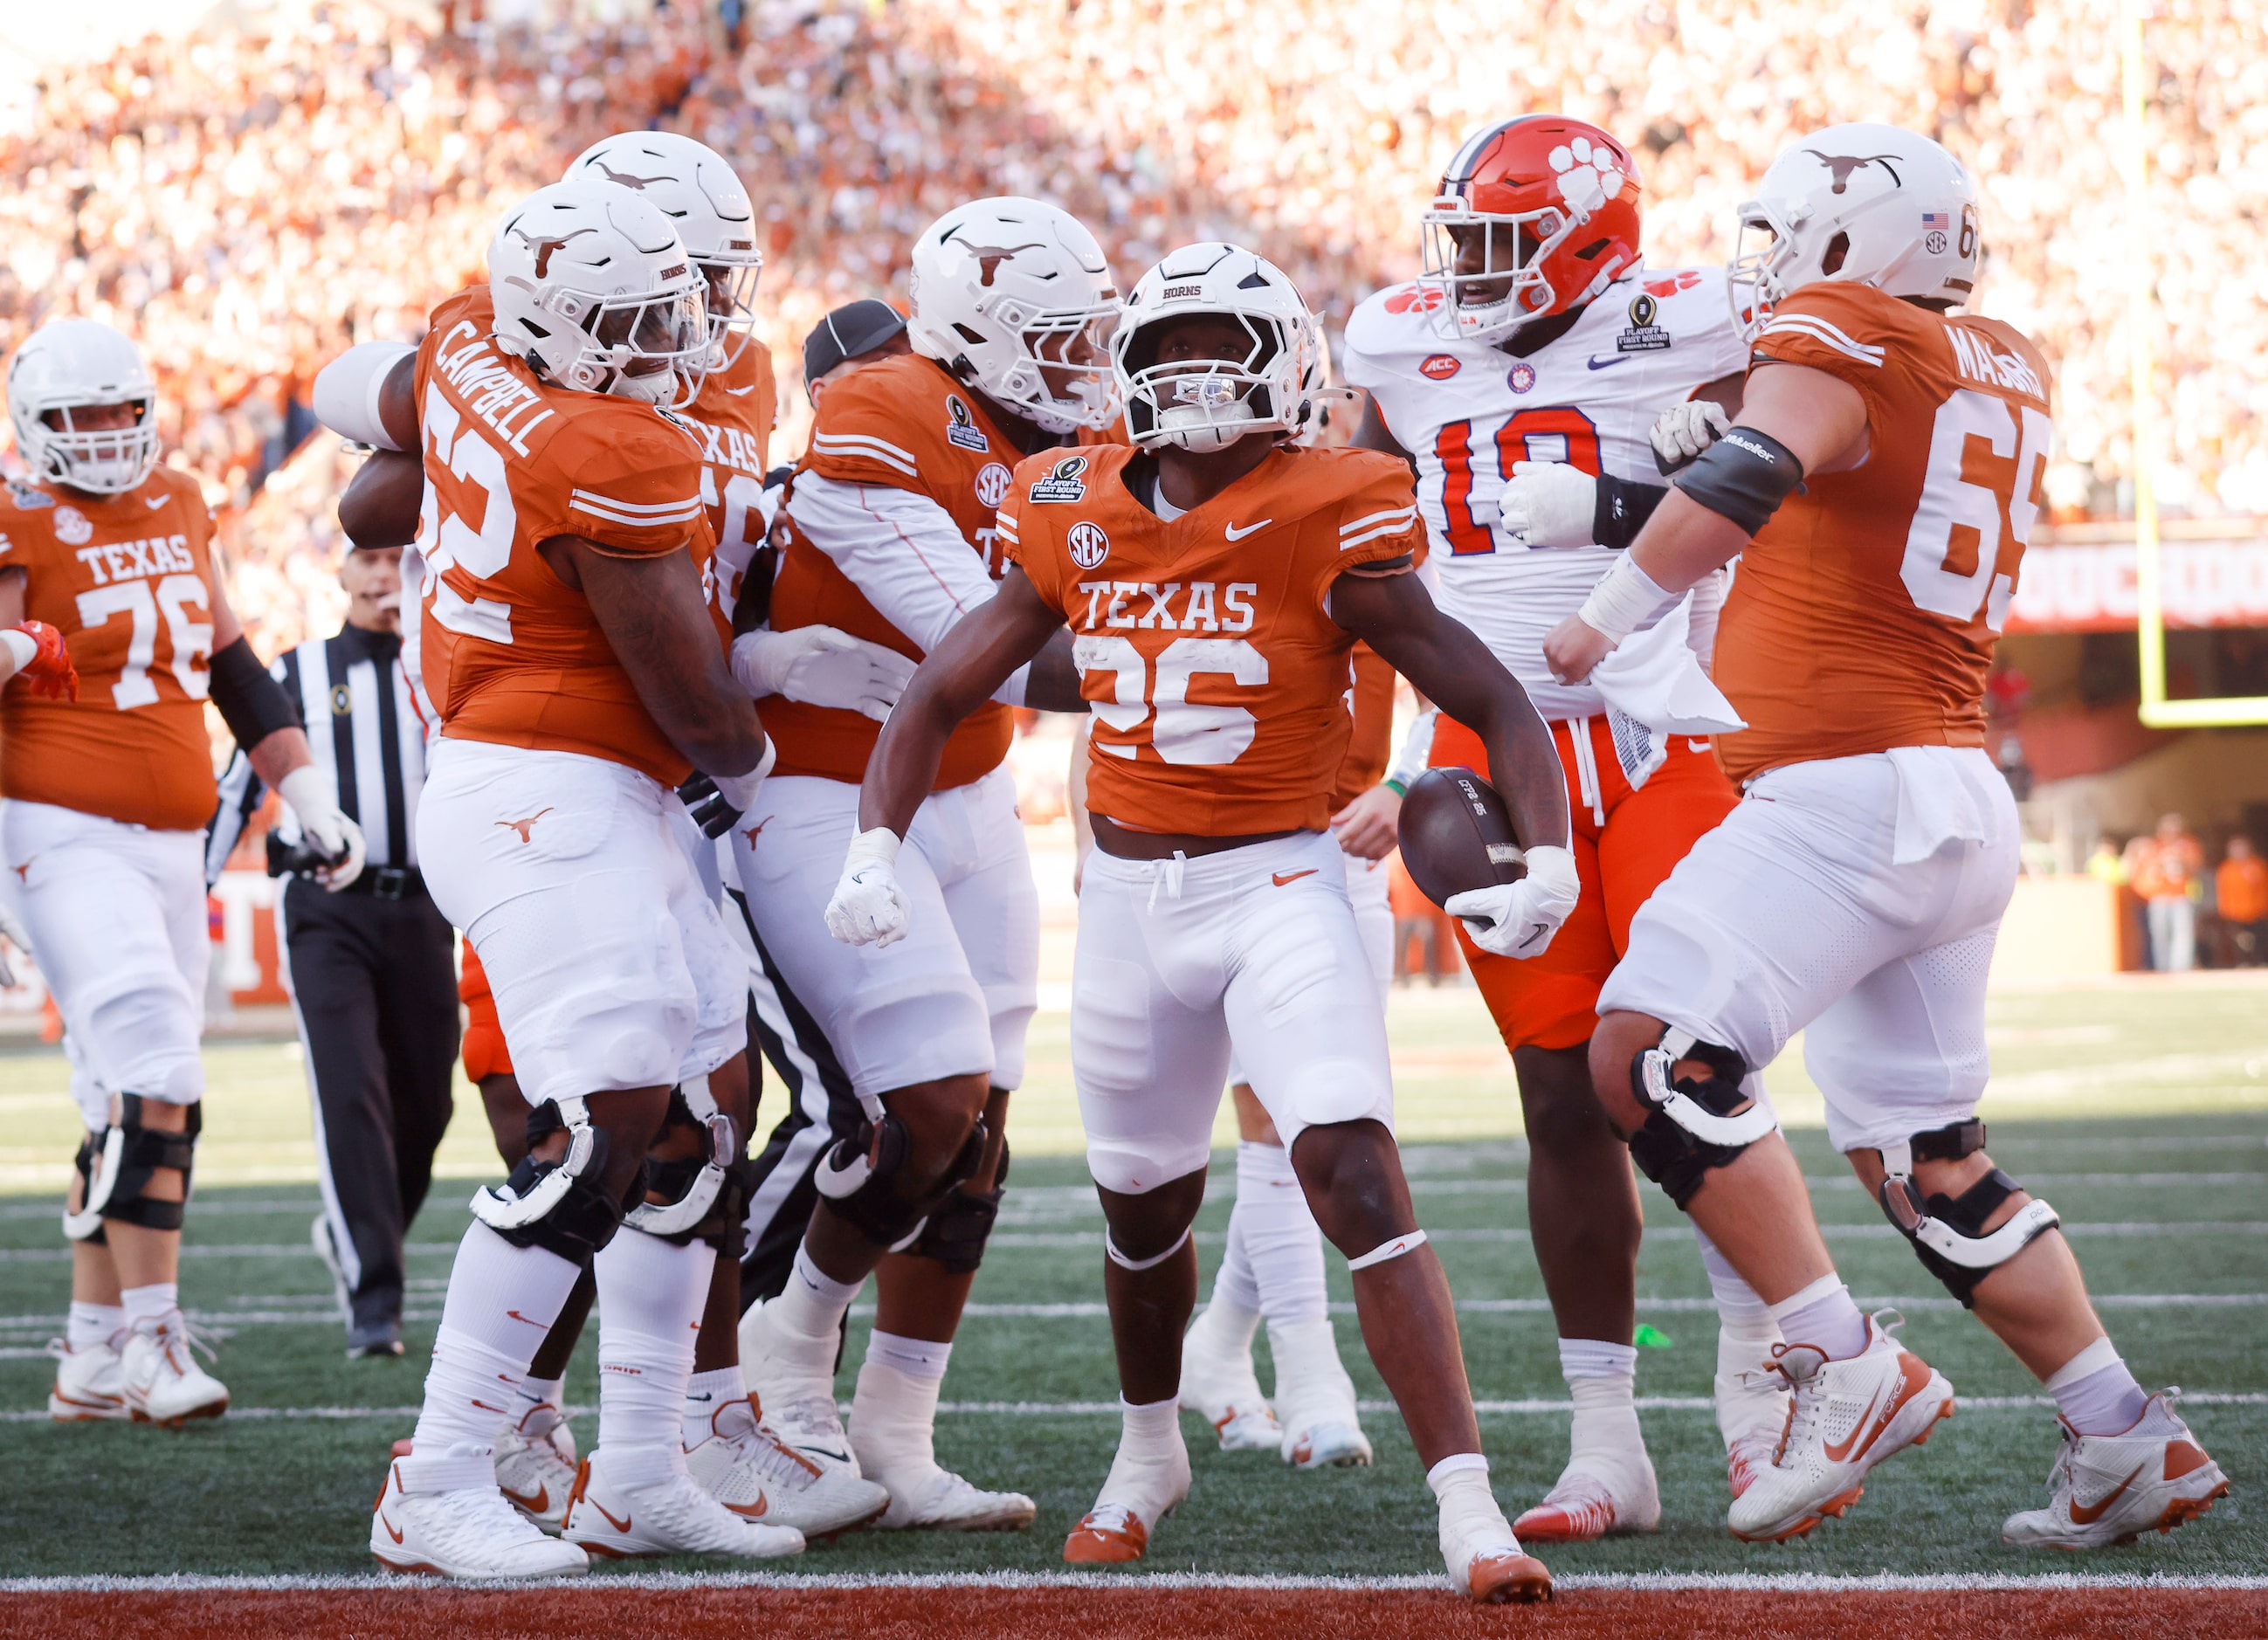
(1442, 658)
(651, 611)
(971, 661)
(12, 581)
(1053, 683)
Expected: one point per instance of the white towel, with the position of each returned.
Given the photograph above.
(1943, 797)
(1654, 677)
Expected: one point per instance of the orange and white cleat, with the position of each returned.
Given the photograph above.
(1483, 1556)
(1141, 1491)
(89, 1384)
(160, 1376)
(462, 1530)
(1846, 1417)
(2112, 1488)
(622, 1508)
(1748, 1453)
(1598, 1495)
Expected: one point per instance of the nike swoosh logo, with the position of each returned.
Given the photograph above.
(747, 1511)
(1281, 878)
(829, 1454)
(534, 1505)
(2093, 1512)
(623, 1525)
(155, 502)
(1235, 534)
(703, 1395)
(740, 392)
(1596, 363)
(1837, 1453)
(392, 1530)
(517, 1316)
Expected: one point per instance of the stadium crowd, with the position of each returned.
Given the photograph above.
(247, 203)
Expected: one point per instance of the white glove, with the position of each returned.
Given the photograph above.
(329, 830)
(740, 790)
(821, 667)
(1548, 503)
(869, 908)
(1519, 919)
(1682, 432)
(12, 931)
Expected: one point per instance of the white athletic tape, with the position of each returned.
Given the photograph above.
(1392, 1249)
(1125, 1263)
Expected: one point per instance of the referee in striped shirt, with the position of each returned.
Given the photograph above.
(371, 970)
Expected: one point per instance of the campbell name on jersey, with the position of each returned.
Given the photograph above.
(1466, 411)
(128, 580)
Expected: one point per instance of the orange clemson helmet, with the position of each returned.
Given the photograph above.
(1536, 215)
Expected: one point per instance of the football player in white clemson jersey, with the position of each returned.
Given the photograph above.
(1523, 375)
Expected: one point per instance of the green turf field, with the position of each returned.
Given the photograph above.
(2140, 1110)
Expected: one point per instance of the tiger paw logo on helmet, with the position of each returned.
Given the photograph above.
(1588, 176)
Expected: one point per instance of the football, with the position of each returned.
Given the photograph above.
(1456, 834)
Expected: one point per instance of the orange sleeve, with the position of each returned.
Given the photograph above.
(1376, 525)
(1832, 328)
(632, 484)
(860, 434)
(1036, 557)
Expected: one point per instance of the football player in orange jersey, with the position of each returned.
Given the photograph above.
(1879, 487)
(888, 534)
(1217, 581)
(579, 678)
(115, 630)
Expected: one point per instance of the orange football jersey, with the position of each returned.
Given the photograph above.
(1218, 679)
(733, 415)
(905, 423)
(1864, 615)
(128, 580)
(512, 654)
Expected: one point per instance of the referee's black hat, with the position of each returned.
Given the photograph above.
(854, 328)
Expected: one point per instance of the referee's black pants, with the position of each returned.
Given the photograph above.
(374, 980)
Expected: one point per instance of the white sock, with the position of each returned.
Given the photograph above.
(1822, 1316)
(916, 1358)
(894, 1420)
(813, 1303)
(1745, 1334)
(651, 1293)
(1602, 1381)
(1280, 1239)
(1312, 1385)
(92, 1324)
(1233, 1286)
(1151, 1429)
(706, 1394)
(1460, 1483)
(1224, 1328)
(2095, 1393)
(539, 1406)
(151, 1304)
(1596, 1357)
(502, 1302)
(1736, 1300)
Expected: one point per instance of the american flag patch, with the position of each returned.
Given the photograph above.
(1935, 219)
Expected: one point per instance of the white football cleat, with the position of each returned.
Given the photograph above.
(1597, 1495)
(942, 1501)
(1748, 1454)
(2111, 1489)
(89, 1384)
(668, 1515)
(160, 1377)
(1139, 1492)
(1218, 1383)
(1314, 1398)
(464, 1532)
(1483, 1556)
(746, 1466)
(792, 1379)
(535, 1465)
(1846, 1416)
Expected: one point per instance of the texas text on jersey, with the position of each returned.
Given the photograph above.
(902, 423)
(126, 579)
(733, 416)
(1865, 613)
(1217, 678)
(1466, 411)
(510, 654)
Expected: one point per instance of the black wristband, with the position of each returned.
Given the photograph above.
(1622, 509)
(1743, 476)
(251, 703)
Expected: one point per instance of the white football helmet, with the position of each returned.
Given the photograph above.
(694, 187)
(71, 364)
(593, 288)
(1016, 299)
(1885, 207)
(1208, 404)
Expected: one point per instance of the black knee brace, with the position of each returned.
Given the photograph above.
(690, 1186)
(859, 1177)
(1690, 1126)
(574, 1219)
(958, 1230)
(119, 1169)
(85, 1225)
(1948, 1231)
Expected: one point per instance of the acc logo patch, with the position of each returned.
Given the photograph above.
(1089, 546)
(991, 482)
(1523, 377)
(1067, 481)
(960, 429)
(71, 527)
(1440, 367)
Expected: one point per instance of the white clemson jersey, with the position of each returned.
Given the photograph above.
(1466, 411)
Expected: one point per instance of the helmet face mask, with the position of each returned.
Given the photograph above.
(1216, 345)
(67, 368)
(1488, 267)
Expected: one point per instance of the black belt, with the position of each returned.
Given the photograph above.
(388, 882)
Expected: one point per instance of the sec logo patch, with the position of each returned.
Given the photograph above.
(1089, 546)
(992, 483)
(1440, 367)
(1523, 378)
